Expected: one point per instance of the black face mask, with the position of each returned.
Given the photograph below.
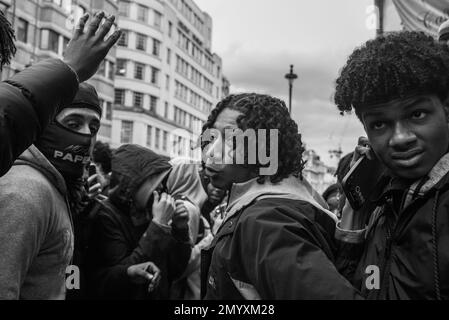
(67, 150)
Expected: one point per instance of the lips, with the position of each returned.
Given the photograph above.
(407, 159)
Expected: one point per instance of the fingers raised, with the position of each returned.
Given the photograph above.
(95, 23)
(79, 29)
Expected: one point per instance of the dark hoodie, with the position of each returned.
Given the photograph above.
(36, 234)
(117, 242)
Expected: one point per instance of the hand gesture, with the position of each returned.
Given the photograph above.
(87, 49)
(144, 273)
(163, 208)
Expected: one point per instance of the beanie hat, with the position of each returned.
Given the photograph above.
(86, 97)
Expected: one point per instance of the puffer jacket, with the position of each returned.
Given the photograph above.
(118, 241)
(403, 252)
(276, 242)
(28, 102)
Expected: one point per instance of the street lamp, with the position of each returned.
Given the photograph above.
(290, 77)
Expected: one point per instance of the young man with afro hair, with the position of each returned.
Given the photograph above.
(276, 240)
(398, 85)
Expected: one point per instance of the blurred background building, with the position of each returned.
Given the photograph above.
(157, 86)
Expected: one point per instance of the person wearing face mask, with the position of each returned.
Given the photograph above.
(30, 99)
(39, 200)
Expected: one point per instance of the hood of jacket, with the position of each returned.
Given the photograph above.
(34, 158)
(242, 194)
(132, 165)
(184, 180)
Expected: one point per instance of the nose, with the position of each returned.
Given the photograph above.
(214, 152)
(85, 129)
(402, 137)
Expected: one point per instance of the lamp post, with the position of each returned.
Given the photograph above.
(290, 77)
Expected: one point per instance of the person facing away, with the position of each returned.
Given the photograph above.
(30, 99)
(152, 214)
(276, 240)
(37, 196)
(397, 246)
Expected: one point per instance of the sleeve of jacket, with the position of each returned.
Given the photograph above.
(115, 256)
(29, 101)
(283, 261)
(24, 219)
(350, 240)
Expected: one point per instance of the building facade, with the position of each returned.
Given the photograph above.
(157, 86)
(43, 29)
(167, 78)
(316, 172)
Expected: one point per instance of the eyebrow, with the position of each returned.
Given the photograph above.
(408, 105)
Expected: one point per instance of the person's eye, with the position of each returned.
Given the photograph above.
(73, 125)
(377, 125)
(418, 115)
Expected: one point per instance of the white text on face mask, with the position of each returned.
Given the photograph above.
(71, 157)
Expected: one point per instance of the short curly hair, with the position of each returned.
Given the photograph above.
(266, 112)
(102, 154)
(396, 65)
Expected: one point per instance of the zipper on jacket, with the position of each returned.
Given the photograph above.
(387, 254)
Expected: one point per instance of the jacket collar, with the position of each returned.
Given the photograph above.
(243, 194)
(34, 158)
(436, 178)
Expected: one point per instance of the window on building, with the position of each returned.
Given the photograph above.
(164, 140)
(166, 110)
(153, 103)
(168, 56)
(149, 135)
(65, 43)
(157, 138)
(123, 41)
(126, 133)
(121, 67)
(138, 99)
(119, 96)
(157, 19)
(170, 29)
(139, 71)
(154, 76)
(167, 82)
(111, 71)
(141, 42)
(108, 111)
(123, 8)
(156, 47)
(50, 40)
(22, 30)
(142, 13)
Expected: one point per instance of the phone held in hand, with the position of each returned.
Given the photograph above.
(361, 180)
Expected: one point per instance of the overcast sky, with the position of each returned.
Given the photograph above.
(259, 39)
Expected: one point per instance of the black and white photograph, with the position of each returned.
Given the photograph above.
(219, 157)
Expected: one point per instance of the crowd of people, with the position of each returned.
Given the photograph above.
(133, 224)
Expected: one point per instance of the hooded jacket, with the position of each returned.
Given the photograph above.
(28, 102)
(36, 235)
(403, 251)
(274, 243)
(118, 241)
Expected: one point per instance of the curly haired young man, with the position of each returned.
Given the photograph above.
(276, 238)
(398, 85)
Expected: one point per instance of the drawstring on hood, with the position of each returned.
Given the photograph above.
(436, 269)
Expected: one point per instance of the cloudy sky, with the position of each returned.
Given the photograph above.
(259, 39)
